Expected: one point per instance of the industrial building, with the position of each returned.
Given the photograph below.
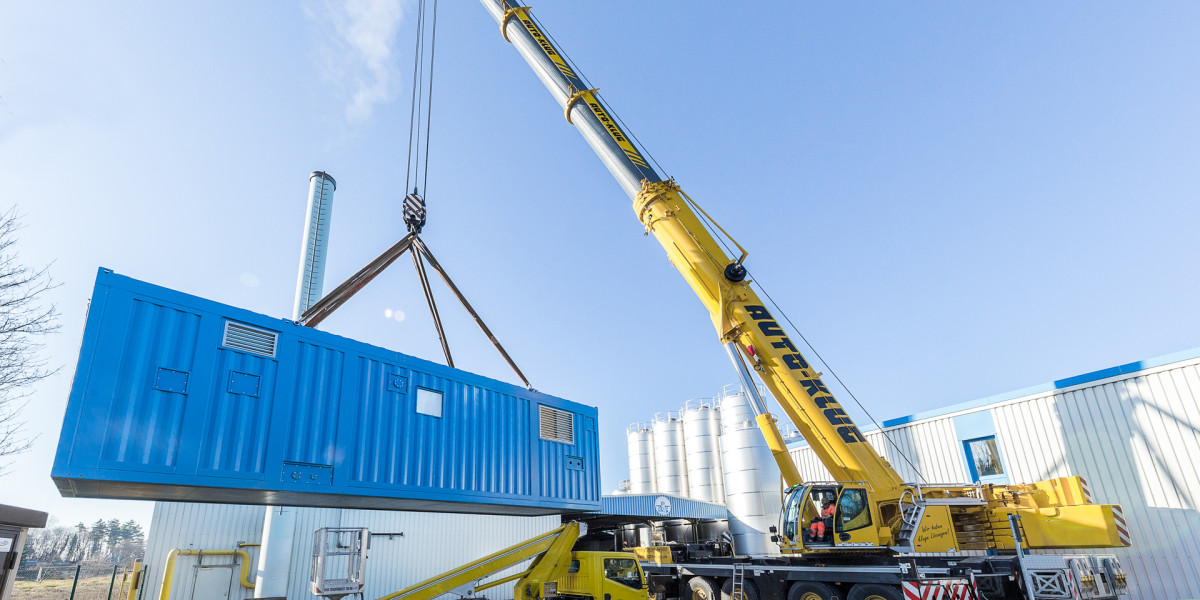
(1132, 432)
(405, 547)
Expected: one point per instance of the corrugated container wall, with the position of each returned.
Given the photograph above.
(1133, 433)
(421, 544)
(180, 398)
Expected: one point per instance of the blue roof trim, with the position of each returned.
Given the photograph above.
(1057, 384)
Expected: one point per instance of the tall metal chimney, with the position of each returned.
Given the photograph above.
(279, 522)
(311, 279)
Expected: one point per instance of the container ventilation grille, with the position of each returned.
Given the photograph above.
(556, 425)
(244, 338)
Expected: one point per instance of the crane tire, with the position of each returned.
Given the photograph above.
(874, 591)
(748, 590)
(701, 588)
(811, 590)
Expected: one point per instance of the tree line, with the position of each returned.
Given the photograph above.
(110, 541)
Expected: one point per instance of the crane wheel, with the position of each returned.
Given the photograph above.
(873, 591)
(701, 588)
(749, 591)
(810, 590)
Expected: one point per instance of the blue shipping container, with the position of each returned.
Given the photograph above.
(185, 399)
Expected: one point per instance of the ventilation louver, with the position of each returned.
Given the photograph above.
(244, 338)
(556, 425)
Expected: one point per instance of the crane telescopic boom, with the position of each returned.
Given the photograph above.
(742, 320)
(878, 510)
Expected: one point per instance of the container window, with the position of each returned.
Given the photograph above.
(244, 338)
(429, 402)
(556, 425)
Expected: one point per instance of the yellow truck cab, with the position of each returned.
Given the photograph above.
(602, 576)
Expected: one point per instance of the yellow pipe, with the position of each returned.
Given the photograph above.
(164, 592)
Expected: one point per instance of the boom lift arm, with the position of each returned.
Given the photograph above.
(551, 553)
(900, 514)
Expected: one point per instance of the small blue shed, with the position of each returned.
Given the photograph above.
(184, 399)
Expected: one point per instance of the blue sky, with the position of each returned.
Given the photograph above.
(950, 200)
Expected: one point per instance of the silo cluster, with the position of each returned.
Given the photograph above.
(711, 450)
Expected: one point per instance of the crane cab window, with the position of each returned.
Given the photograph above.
(624, 571)
(852, 511)
(574, 568)
(791, 515)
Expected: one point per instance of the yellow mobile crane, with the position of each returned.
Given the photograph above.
(875, 513)
(890, 514)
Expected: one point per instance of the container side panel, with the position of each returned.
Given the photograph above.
(184, 399)
(153, 365)
(318, 380)
(235, 440)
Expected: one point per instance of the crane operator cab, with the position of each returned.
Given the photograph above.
(828, 516)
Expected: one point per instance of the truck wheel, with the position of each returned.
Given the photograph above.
(749, 591)
(810, 590)
(873, 591)
(701, 588)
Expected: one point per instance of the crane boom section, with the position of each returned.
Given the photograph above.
(738, 314)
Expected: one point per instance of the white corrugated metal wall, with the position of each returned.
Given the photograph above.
(1135, 437)
(432, 543)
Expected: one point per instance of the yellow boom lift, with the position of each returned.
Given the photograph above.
(553, 571)
(876, 510)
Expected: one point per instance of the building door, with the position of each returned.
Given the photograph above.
(212, 582)
(9, 536)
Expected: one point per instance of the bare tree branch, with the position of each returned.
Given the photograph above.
(24, 320)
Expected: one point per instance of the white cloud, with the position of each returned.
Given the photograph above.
(362, 57)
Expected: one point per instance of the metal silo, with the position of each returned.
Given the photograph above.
(701, 425)
(316, 242)
(753, 492)
(640, 440)
(715, 431)
(670, 460)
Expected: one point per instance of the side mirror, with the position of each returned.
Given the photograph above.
(773, 529)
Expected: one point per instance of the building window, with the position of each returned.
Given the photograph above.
(429, 402)
(983, 458)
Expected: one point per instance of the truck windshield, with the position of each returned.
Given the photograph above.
(623, 571)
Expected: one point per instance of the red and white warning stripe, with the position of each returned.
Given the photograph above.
(1087, 493)
(940, 590)
(1122, 526)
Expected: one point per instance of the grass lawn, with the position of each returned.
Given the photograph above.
(90, 588)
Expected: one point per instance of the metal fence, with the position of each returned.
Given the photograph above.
(88, 581)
